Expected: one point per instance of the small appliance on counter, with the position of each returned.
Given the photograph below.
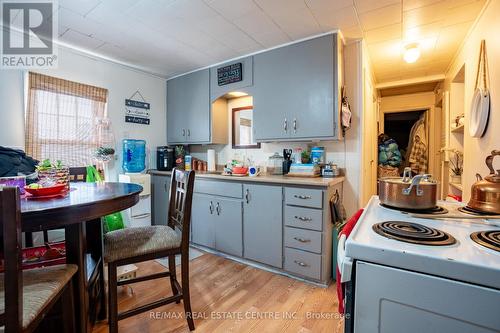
(134, 155)
(165, 158)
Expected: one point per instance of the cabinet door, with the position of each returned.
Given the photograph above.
(198, 107)
(262, 224)
(188, 108)
(297, 80)
(202, 220)
(161, 186)
(228, 226)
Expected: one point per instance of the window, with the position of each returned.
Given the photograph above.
(62, 118)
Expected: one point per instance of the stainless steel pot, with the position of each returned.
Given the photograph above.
(485, 194)
(419, 192)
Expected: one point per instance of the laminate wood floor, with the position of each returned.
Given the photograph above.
(227, 296)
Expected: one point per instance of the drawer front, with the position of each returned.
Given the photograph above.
(304, 218)
(225, 189)
(303, 239)
(303, 263)
(304, 197)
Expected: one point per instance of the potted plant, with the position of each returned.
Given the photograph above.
(456, 166)
(305, 156)
(53, 171)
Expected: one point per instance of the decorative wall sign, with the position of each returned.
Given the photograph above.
(137, 111)
(230, 74)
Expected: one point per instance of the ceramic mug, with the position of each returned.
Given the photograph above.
(253, 171)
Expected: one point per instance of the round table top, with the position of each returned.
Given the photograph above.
(85, 201)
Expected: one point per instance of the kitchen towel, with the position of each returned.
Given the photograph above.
(346, 231)
(211, 160)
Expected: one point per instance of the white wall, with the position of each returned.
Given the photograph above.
(487, 27)
(121, 83)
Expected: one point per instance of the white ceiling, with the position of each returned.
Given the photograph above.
(169, 37)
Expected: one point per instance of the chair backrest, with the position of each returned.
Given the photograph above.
(77, 174)
(181, 198)
(10, 222)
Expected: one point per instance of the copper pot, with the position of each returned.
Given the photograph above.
(419, 192)
(485, 194)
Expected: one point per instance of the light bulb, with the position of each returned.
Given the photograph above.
(412, 53)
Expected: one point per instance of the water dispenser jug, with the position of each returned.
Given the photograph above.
(134, 155)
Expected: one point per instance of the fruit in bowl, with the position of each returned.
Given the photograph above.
(38, 189)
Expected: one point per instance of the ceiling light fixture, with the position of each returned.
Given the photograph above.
(412, 53)
(237, 94)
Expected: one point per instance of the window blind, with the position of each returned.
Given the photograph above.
(62, 118)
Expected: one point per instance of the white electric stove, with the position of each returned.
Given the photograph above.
(408, 274)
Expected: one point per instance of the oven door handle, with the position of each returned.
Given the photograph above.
(344, 263)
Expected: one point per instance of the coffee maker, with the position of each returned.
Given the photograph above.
(165, 158)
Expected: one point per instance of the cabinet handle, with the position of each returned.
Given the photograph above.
(302, 240)
(183, 132)
(302, 196)
(167, 187)
(189, 132)
(294, 125)
(217, 209)
(300, 263)
(303, 219)
(211, 207)
(140, 216)
(247, 196)
(285, 125)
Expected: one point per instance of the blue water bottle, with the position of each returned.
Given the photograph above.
(134, 155)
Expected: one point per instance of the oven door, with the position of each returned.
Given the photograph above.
(391, 300)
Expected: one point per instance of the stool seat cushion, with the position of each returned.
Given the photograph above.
(40, 286)
(132, 242)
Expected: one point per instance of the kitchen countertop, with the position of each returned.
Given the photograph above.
(283, 180)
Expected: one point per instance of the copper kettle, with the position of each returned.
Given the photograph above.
(485, 194)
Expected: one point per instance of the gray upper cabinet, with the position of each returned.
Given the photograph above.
(217, 91)
(203, 220)
(262, 224)
(296, 91)
(228, 226)
(188, 108)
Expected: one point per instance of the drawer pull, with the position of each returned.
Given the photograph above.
(302, 196)
(140, 216)
(302, 240)
(303, 219)
(300, 263)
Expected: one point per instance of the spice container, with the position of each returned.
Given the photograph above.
(275, 164)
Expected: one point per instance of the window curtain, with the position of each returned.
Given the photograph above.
(62, 118)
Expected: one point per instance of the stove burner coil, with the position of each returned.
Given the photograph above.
(438, 210)
(489, 239)
(413, 233)
(471, 211)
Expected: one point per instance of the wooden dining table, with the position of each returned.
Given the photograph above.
(79, 212)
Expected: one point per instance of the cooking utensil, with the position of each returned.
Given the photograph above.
(485, 194)
(419, 192)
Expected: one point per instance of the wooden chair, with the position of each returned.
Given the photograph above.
(132, 245)
(27, 296)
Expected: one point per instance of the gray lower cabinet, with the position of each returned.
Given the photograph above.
(263, 224)
(203, 220)
(161, 191)
(228, 226)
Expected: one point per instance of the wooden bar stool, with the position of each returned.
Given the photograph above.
(27, 296)
(132, 245)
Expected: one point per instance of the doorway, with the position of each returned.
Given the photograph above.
(404, 142)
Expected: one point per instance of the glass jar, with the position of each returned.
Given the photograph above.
(275, 164)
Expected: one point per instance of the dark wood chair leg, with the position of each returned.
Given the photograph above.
(173, 276)
(68, 309)
(185, 290)
(113, 299)
(45, 236)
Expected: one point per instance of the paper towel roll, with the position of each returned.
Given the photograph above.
(211, 160)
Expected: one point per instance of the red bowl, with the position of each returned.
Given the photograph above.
(240, 170)
(38, 192)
